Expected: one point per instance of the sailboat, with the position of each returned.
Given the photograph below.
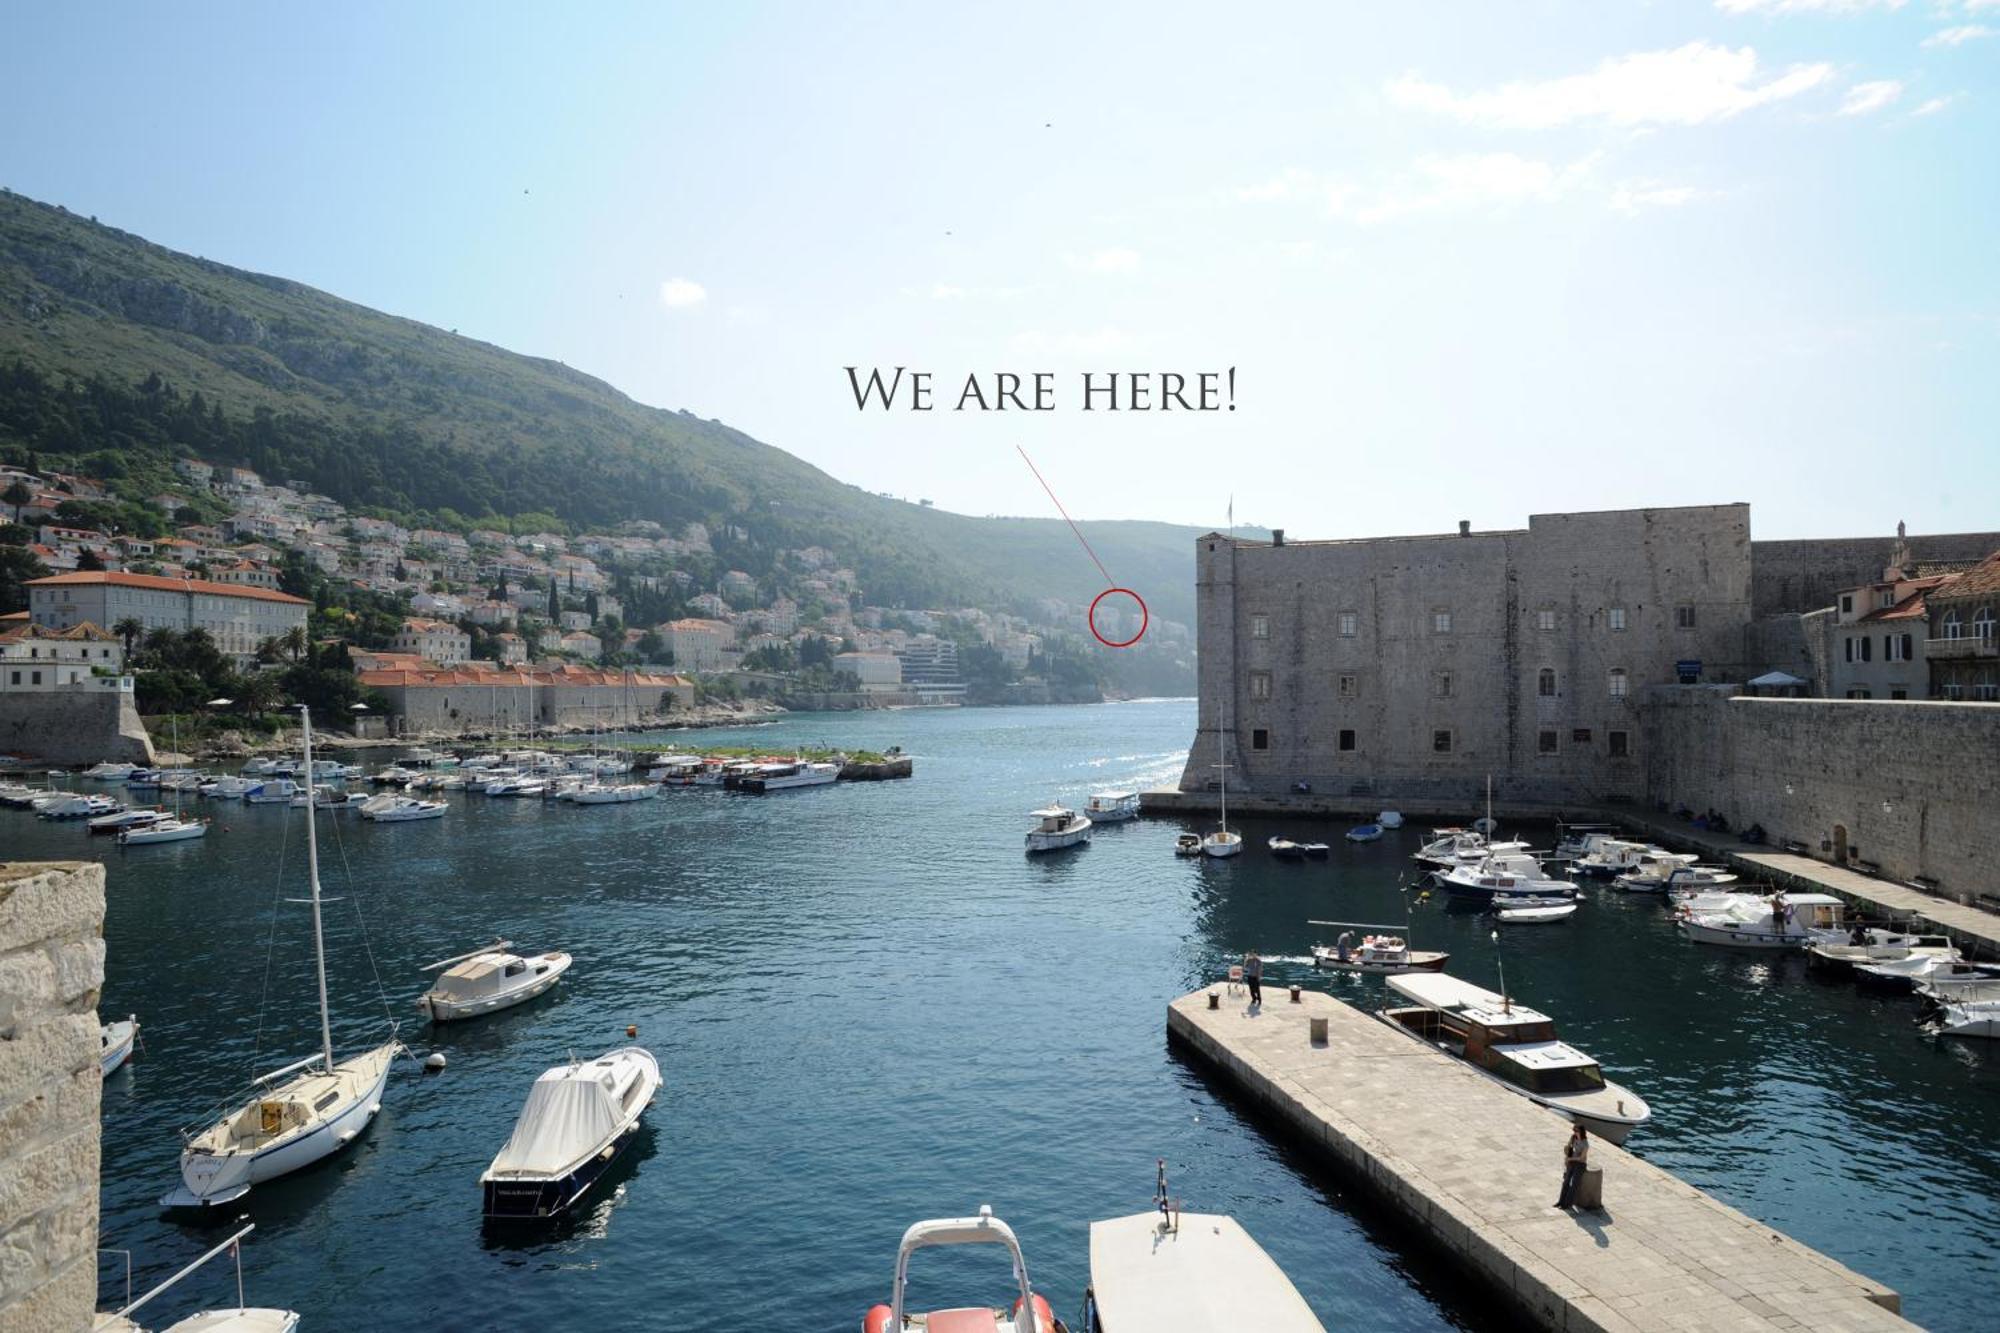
(294, 1116)
(1222, 842)
(175, 829)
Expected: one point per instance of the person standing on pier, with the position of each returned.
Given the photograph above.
(1576, 1156)
(1253, 974)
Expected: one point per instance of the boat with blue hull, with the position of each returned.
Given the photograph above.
(578, 1121)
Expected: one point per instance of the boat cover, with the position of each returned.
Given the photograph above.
(473, 979)
(572, 1111)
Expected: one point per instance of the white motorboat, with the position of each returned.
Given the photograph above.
(487, 980)
(1187, 844)
(119, 820)
(578, 1119)
(1516, 1047)
(1958, 990)
(1450, 847)
(1535, 916)
(423, 757)
(783, 777)
(1969, 1018)
(441, 780)
(1502, 874)
(396, 808)
(170, 829)
(1576, 841)
(1391, 819)
(1671, 872)
(79, 806)
(1028, 1313)
(523, 786)
(1112, 807)
(330, 798)
(1611, 856)
(115, 1041)
(266, 766)
(227, 788)
(395, 775)
(1172, 1272)
(1874, 945)
(1058, 827)
(1922, 964)
(480, 761)
(623, 793)
(296, 1115)
(107, 771)
(1385, 951)
(238, 1318)
(485, 777)
(1287, 850)
(272, 791)
(675, 770)
(1778, 922)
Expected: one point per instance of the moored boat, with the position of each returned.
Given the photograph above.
(395, 808)
(1969, 1018)
(1365, 833)
(1059, 827)
(115, 1041)
(117, 820)
(578, 1120)
(1538, 915)
(107, 771)
(1384, 952)
(1029, 1312)
(170, 829)
(1517, 1048)
(1390, 819)
(1187, 844)
(1112, 807)
(1504, 874)
(783, 777)
(603, 793)
(488, 980)
(1778, 922)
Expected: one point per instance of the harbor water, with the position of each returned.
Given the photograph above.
(869, 1007)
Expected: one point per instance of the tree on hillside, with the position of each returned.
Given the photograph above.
(555, 604)
(129, 629)
(88, 560)
(17, 565)
(17, 494)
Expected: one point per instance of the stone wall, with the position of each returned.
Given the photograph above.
(1795, 576)
(78, 726)
(1818, 771)
(453, 709)
(51, 964)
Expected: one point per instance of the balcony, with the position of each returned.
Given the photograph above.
(1946, 650)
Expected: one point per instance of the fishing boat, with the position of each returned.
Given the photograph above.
(580, 1118)
(1172, 1272)
(1058, 828)
(114, 1041)
(1112, 807)
(1540, 914)
(487, 980)
(1385, 952)
(1365, 833)
(296, 1115)
(1517, 1048)
(238, 1318)
(395, 808)
(119, 820)
(1028, 1312)
(1777, 922)
(1187, 844)
(783, 777)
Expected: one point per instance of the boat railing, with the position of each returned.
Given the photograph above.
(232, 1245)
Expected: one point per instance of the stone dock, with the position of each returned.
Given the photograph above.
(1473, 1169)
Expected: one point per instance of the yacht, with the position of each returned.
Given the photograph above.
(1517, 1048)
(172, 828)
(780, 777)
(114, 1042)
(119, 820)
(1112, 807)
(487, 980)
(1027, 1313)
(1058, 828)
(578, 1120)
(396, 808)
(296, 1115)
(1794, 921)
(107, 771)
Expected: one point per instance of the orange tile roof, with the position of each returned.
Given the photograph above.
(1981, 580)
(160, 583)
(81, 632)
(1912, 606)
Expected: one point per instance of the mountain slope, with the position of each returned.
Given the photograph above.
(387, 413)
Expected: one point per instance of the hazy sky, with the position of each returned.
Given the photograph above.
(1469, 261)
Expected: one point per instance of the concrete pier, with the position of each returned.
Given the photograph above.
(1474, 1168)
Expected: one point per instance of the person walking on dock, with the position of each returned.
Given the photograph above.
(1253, 974)
(1576, 1156)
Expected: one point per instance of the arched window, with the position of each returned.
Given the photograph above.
(1545, 683)
(1617, 682)
(1951, 630)
(1982, 624)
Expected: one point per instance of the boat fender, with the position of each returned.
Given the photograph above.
(876, 1320)
(434, 1061)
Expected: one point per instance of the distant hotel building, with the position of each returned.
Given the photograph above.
(930, 668)
(237, 618)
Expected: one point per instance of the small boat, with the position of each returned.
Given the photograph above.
(422, 757)
(1874, 945)
(1365, 833)
(1502, 874)
(1666, 872)
(1535, 916)
(78, 806)
(1222, 843)
(1575, 841)
(1112, 807)
(393, 808)
(1287, 850)
(170, 829)
(487, 980)
(265, 767)
(1451, 847)
(1172, 1272)
(1517, 1048)
(578, 1120)
(395, 775)
(1390, 819)
(1060, 827)
(1387, 953)
(1969, 1018)
(1778, 922)
(1187, 844)
(119, 820)
(238, 1318)
(623, 793)
(272, 791)
(1611, 856)
(330, 798)
(1957, 990)
(107, 771)
(783, 777)
(1029, 1313)
(674, 770)
(1941, 962)
(115, 1041)
(227, 788)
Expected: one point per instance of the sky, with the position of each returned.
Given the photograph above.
(1467, 261)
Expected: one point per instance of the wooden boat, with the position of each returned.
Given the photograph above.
(1029, 1313)
(1112, 807)
(488, 980)
(1059, 827)
(1387, 953)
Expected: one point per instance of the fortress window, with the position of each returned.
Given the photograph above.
(1617, 617)
(1260, 739)
(1260, 685)
(1545, 619)
(1581, 736)
(1899, 694)
(1440, 621)
(1621, 743)
(1260, 626)
(1441, 742)
(1545, 742)
(1350, 685)
(1545, 683)
(1441, 685)
(1348, 624)
(1684, 616)
(1618, 682)
(1347, 740)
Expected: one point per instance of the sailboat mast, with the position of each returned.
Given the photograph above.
(312, 866)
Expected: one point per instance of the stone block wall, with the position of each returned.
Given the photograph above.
(1820, 771)
(51, 965)
(1796, 576)
(78, 726)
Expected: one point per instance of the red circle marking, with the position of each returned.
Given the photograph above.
(1145, 617)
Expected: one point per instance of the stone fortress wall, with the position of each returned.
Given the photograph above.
(75, 726)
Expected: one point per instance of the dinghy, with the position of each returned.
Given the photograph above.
(1364, 833)
(578, 1120)
(1029, 1313)
(115, 1042)
(1535, 916)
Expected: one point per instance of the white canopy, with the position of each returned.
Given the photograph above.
(570, 1114)
(1774, 679)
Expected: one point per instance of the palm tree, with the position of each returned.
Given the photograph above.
(294, 642)
(129, 629)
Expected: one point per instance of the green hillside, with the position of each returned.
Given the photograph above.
(120, 355)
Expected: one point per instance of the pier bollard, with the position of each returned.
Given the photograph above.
(1295, 992)
(1316, 1029)
(1590, 1189)
(1215, 999)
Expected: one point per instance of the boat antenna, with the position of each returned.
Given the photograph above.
(312, 870)
(1506, 1002)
